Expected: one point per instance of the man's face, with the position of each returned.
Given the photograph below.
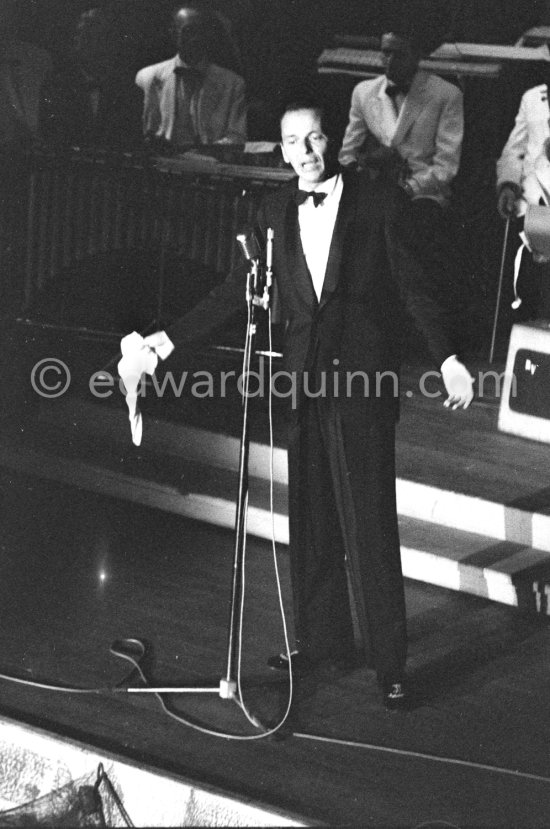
(190, 37)
(400, 59)
(305, 145)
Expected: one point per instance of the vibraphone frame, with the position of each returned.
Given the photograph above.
(81, 204)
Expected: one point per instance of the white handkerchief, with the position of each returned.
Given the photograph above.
(161, 343)
(138, 358)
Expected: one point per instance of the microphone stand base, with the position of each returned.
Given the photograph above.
(228, 688)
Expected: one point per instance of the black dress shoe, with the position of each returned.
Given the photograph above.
(302, 665)
(394, 694)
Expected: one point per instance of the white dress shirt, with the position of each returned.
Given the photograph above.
(187, 92)
(317, 227)
(398, 99)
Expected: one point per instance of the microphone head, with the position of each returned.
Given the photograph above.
(249, 245)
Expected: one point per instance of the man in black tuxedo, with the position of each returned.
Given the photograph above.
(347, 280)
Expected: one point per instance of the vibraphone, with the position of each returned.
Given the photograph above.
(81, 204)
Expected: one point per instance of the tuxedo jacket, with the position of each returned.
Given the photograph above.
(427, 133)
(219, 112)
(526, 141)
(373, 283)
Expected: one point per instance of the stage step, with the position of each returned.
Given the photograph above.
(527, 526)
(508, 572)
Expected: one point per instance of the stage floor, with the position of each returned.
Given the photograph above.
(80, 571)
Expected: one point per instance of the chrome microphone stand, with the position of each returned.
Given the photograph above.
(254, 285)
(259, 279)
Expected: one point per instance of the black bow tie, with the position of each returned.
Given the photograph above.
(303, 195)
(393, 90)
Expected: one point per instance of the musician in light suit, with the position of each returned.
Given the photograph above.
(188, 99)
(407, 126)
(525, 144)
(409, 121)
(523, 179)
(24, 72)
(348, 279)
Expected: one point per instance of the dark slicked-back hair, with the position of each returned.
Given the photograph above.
(305, 102)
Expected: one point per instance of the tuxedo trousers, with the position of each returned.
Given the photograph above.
(343, 518)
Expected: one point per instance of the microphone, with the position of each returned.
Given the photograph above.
(260, 275)
(269, 248)
(249, 245)
(269, 258)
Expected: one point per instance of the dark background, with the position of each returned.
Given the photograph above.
(277, 41)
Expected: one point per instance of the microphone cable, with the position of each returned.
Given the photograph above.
(318, 738)
(273, 541)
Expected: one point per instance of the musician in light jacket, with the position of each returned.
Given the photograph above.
(525, 144)
(532, 281)
(24, 72)
(187, 99)
(407, 119)
(407, 126)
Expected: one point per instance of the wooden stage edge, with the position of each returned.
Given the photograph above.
(56, 763)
